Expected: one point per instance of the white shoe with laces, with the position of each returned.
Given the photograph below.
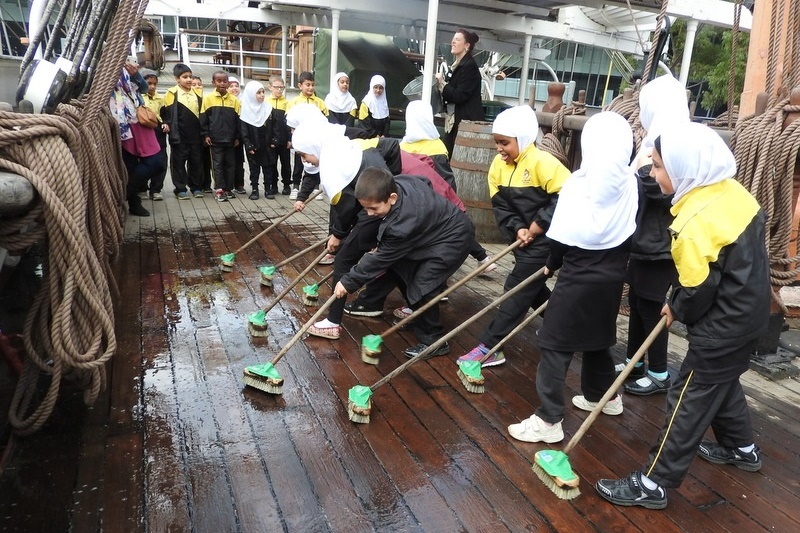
(612, 408)
(294, 193)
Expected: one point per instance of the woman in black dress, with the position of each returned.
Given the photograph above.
(461, 91)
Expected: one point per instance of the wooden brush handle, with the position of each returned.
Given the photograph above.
(612, 390)
(433, 347)
(303, 252)
(270, 227)
(528, 319)
(295, 281)
(450, 289)
(323, 308)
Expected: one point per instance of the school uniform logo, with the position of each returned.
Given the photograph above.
(526, 176)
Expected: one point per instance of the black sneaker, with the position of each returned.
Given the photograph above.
(270, 195)
(414, 351)
(638, 372)
(356, 308)
(286, 190)
(630, 491)
(720, 455)
(138, 210)
(254, 195)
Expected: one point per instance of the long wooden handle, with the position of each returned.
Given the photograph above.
(435, 346)
(616, 385)
(295, 281)
(270, 227)
(303, 252)
(323, 308)
(450, 289)
(528, 319)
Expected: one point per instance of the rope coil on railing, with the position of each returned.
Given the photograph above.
(69, 330)
(559, 140)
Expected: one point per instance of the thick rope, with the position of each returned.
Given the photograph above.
(737, 14)
(69, 330)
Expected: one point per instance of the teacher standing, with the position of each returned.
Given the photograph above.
(461, 92)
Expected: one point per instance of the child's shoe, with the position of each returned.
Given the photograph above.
(534, 429)
(326, 329)
(647, 385)
(254, 195)
(197, 193)
(612, 408)
(402, 312)
(230, 195)
(327, 260)
(630, 491)
(490, 268)
(183, 195)
(286, 190)
(220, 195)
(240, 190)
(479, 352)
(639, 371)
(294, 193)
(720, 455)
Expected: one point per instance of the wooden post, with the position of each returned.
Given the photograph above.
(755, 79)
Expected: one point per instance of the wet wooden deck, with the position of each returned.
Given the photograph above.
(178, 444)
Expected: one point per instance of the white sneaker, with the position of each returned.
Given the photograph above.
(156, 196)
(490, 268)
(534, 429)
(294, 193)
(613, 407)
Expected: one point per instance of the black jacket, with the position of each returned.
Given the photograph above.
(730, 306)
(184, 126)
(464, 90)
(423, 251)
(651, 240)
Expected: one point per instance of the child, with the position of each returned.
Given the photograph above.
(374, 111)
(238, 178)
(341, 105)
(197, 85)
(420, 252)
(723, 297)
(181, 113)
(155, 102)
(353, 233)
(590, 235)
(255, 138)
(651, 270)
(279, 136)
(524, 183)
(422, 137)
(219, 121)
(306, 84)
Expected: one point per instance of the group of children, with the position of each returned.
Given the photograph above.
(696, 243)
(219, 130)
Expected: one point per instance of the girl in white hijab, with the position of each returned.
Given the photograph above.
(590, 238)
(422, 138)
(374, 110)
(342, 107)
(651, 271)
(255, 137)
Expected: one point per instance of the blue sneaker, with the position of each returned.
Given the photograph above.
(183, 195)
(197, 193)
(479, 352)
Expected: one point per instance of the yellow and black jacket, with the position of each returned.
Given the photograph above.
(184, 122)
(723, 272)
(437, 151)
(219, 118)
(278, 130)
(526, 191)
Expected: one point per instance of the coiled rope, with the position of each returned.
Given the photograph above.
(69, 330)
(766, 153)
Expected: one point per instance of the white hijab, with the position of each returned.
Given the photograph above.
(338, 101)
(419, 122)
(519, 122)
(339, 162)
(254, 112)
(597, 205)
(694, 156)
(378, 106)
(302, 113)
(662, 103)
(310, 136)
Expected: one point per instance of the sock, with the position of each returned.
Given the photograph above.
(660, 376)
(637, 365)
(747, 449)
(325, 324)
(648, 483)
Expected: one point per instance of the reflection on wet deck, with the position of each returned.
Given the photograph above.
(177, 443)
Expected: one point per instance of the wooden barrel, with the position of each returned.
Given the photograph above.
(473, 153)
